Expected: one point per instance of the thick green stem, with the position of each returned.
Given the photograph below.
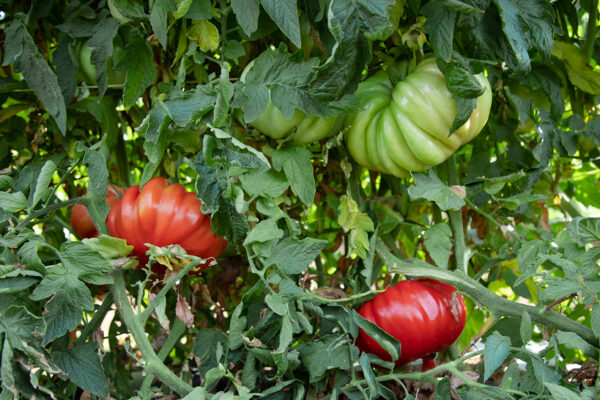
(122, 163)
(591, 30)
(177, 330)
(153, 364)
(50, 208)
(163, 292)
(456, 222)
(486, 297)
(320, 271)
(96, 319)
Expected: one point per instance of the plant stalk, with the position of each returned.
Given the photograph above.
(456, 222)
(96, 319)
(591, 30)
(489, 299)
(153, 364)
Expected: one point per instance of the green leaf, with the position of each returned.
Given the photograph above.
(560, 392)
(267, 184)
(526, 328)
(516, 201)
(224, 95)
(351, 217)
(159, 19)
(286, 334)
(438, 243)
(264, 231)
(433, 189)
(389, 343)
(101, 44)
(236, 327)
(21, 325)
(497, 348)
(365, 366)
(157, 136)
(324, 355)
(293, 255)
(205, 34)
(139, 63)
(12, 202)
(83, 366)
(43, 181)
(285, 15)
(573, 341)
(595, 315)
(205, 345)
(558, 288)
(296, 165)
(276, 303)
(22, 52)
(579, 71)
(233, 49)
(191, 105)
(126, 10)
(440, 28)
(443, 389)
(108, 247)
(584, 230)
(69, 296)
(247, 13)
(98, 181)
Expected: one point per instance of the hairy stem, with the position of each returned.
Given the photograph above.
(97, 319)
(163, 292)
(591, 30)
(456, 222)
(486, 297)
(177, 330)
(153, 363)
(50, 208)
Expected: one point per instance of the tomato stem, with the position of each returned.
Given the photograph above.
(96, 319)
(153, 363)
(50, 208)
(590, 31)
(143, 316)
(456, 222)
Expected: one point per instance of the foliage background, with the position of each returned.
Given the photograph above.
(512, 220)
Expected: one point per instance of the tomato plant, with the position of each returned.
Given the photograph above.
(163, 214)
(324, 155)
(425, 316)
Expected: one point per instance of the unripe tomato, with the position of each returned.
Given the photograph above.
(163, 214)
(82, 223)
(425, 315)
(301, 129)
(405, 128)
(87, 70)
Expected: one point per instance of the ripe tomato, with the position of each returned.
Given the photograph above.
(425, 315)
(163, 214)
(81, 222)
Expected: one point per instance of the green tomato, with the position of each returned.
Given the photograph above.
(301, 129)
(405, 128)
(87, 70)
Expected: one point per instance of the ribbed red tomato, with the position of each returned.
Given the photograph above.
(82, 223)
(163, 214)
(425, 315)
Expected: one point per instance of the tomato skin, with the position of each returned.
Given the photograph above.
(82, 223)
(405, 128)
(424, 315)
(87, 70)
(164, 214)
(301, 129)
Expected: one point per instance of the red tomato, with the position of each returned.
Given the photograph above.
(163, 214)
(424, 315)
(81, 222)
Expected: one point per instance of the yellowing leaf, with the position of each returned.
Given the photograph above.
(580, 73)
(205, 34)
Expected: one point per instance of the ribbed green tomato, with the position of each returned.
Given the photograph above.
(406, 128)
(301, 129)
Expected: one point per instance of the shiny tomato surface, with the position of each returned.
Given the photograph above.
(424, 315)
(82, 223)
(163, 214)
